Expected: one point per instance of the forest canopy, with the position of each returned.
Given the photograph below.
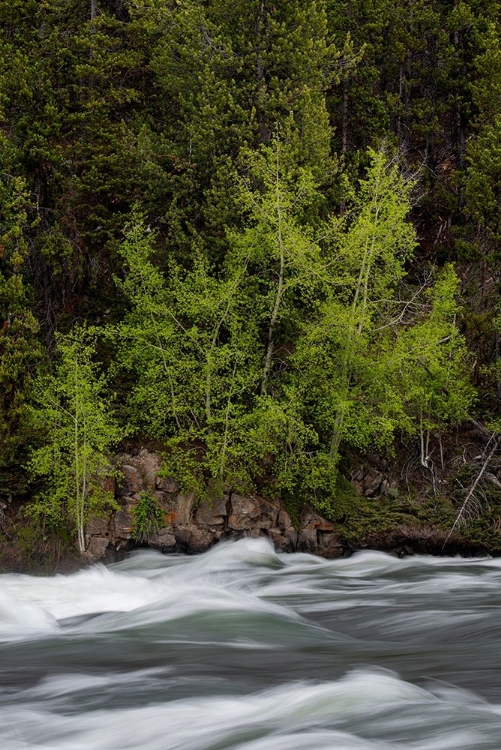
(263, 235)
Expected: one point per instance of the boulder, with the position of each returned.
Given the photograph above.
(284, 519)
(167, 501)
(97, 547)
(329, 546)
(193, 539)
(312, 520)
(292, 535)
(308, 541)
(281, 542)
(184, 508)
(167, 484)
(123, 524)
(131, 482)
(148, 465)
(99, 526)
(372, 483)
(212, 514)
(109, 485)
(164, 540)
(194, 528)
(268, 514)
(244, 512)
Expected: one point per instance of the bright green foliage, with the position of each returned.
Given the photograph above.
(429, 365)
(280, 248)
(205, 346)
(373, 363)
(307, 342)
(190, 349)
(284, 297)
(72, 414)
(148, 518)
(365, 273)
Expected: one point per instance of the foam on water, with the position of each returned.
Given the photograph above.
(20, 618)
(246, 648)
(364, 709)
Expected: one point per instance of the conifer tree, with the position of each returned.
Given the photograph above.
(19, 347)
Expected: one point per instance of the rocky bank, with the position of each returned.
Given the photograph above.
(192, 527)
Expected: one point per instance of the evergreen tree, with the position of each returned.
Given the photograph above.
(68, 92)
(227, 74)
(19, 348)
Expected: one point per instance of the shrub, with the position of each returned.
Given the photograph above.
(148, 518)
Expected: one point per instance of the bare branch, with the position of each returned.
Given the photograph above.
(471, 499)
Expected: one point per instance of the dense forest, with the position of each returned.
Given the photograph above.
(260, 236)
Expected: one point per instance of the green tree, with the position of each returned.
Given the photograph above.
(280, 245)
(225, 75)
(20, 350)
(68, 93)
(189, 347)
(307, 341)
(479, 229)
(429, 366)
(71, 411)
(372, 328)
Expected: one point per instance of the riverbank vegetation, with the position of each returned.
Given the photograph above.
(263, 236)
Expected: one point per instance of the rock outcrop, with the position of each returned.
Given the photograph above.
(192, 527)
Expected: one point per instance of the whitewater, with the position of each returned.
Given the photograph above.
(247, 648)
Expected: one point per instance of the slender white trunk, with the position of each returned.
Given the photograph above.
(81, 534)
(280, 285)
(224, 447)
(208, 379)
(79, 451)
(358, 310)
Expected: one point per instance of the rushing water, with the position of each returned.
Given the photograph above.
(246, 648)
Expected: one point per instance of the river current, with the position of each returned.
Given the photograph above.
(246, 648)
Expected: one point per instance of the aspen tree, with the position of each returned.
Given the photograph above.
(71, 411)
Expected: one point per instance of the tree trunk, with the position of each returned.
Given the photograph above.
(344, 137)
(280, 286)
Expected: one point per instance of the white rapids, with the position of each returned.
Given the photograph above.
(245, 648)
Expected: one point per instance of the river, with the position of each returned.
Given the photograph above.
(245, 648)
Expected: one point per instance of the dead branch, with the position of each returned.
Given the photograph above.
(470, 498)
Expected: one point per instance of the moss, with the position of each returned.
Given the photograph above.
(356, 517)
(26, 548)
(360, 520)
(367, 517)
(346, 499)
(381, 522)
(436, 511)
